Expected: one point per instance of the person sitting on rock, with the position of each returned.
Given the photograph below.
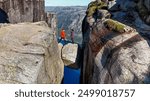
(3, 16)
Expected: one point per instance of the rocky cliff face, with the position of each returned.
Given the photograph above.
(51, 19)
(29, 54)
(144, 8)
(116, 42)
(24, 10)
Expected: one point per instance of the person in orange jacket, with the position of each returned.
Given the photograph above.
(63, 34)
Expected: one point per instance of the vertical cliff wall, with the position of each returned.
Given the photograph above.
(24, 10)
(116, 42)
(51, 19)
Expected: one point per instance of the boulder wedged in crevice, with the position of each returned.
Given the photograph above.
(70, 54)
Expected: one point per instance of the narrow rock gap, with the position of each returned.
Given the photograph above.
(71, 72)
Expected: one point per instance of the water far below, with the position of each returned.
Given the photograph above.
(71, 76)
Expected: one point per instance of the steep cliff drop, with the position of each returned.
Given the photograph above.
(69, 53)
(116, 42)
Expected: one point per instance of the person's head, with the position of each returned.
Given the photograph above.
(62, 29)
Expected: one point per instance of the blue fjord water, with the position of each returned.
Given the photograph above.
(71, 76)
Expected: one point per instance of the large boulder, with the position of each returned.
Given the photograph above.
(29, 54)
(115, 48)
(69, 55)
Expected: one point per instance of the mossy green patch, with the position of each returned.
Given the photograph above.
(91, 11)
(101, 5)
(93, 6)
(115, 25)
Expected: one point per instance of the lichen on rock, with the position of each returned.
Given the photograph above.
(93, 6)
(117, 26)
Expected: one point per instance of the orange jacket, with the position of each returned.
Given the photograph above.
(63, 34)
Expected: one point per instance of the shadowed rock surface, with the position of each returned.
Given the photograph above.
(29, 54)
(24, 10)
(3, 16)
(116, 48)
